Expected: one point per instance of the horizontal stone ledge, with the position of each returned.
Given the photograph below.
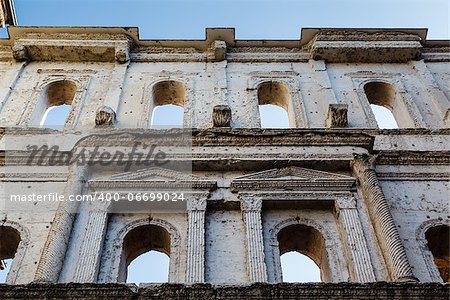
(285, 291)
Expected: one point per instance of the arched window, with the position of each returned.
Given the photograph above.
(438, 243)
(169, 116)
(9, 242)
(299, 268)
(384, 103)
(303, 254)
(146, 253)
(55, 106)
(275, 105)
(169, 98)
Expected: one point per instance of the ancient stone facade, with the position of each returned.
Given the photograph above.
(365, 204)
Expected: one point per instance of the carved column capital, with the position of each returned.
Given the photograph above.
(250, 203)
(345, 203)
(99, 206)
(362, 162)
(196, 203)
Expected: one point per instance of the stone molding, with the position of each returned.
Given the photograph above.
(413, 158)
(33, 177)
(416, 176)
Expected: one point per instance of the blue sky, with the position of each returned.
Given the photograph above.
(278, 19)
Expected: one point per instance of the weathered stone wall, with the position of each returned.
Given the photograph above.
(282, 291)
(370, 193)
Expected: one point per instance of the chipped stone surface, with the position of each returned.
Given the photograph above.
(249, 183)
(284, 291)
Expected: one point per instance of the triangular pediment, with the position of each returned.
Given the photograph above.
(293, 178)
(155, 174)
(154, 177)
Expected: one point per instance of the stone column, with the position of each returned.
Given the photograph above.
(348, 217)
(86, 269)
(54, 251)
(195, 267)
(380, 215)
(251, 211)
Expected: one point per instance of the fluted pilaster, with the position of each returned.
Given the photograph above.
(251, 211)
(195, 272)
(356, 242)
(86, 269)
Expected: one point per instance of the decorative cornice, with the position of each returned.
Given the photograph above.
(334, 45)
(416, 176)
(362, 46)
(413, 158)
(72, 47)
(47, 177)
